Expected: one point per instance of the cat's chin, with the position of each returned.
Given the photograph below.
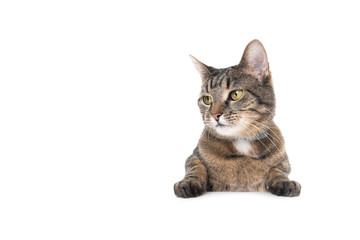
(228, 131)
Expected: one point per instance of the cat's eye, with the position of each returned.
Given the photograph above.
(207, 100)
(236, 95)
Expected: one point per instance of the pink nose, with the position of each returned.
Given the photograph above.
(216, 116)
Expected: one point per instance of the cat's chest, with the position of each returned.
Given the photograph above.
(233, 165)
(238, 172)
(243, 146)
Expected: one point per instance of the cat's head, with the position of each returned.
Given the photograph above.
(238, 101)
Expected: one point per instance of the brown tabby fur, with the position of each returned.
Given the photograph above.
(216, 163)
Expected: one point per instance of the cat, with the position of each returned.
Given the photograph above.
(240, 148)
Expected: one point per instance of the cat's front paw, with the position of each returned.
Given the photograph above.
(188, 188)
(285, 188)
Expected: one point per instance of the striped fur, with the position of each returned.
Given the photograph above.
(229, 157)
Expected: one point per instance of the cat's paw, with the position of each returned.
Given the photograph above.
(285, 188)
(188, 188)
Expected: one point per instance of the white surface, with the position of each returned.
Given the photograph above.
(98, 112)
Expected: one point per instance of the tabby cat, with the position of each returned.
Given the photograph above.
(240, 148)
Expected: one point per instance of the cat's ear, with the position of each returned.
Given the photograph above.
(254, 60)
(204, 70)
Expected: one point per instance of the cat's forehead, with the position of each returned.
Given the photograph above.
(222, 80)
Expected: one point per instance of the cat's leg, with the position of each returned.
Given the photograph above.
(194, 182)
(278, 182)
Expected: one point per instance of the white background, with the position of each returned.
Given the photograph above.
(98, 112)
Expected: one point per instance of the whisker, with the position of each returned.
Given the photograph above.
(270, 140)
(269, 128)
(277, 139)
(258, 139)
(268, 110)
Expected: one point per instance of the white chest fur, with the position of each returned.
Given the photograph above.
(243, 146)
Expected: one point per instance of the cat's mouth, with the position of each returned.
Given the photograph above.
(221, 125)
(224, 128)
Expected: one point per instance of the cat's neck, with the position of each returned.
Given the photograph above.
(259, 137)
(241, 146)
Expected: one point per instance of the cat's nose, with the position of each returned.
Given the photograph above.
(217, 115)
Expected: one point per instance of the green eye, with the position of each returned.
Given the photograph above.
(207, 100)
(236, 95)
